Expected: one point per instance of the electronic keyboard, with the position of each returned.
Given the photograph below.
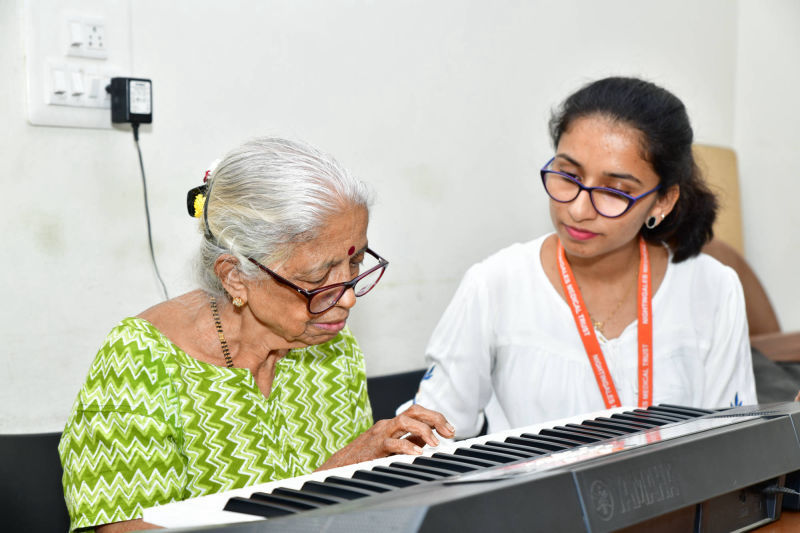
(667, 468)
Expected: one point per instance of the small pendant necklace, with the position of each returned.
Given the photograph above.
(226, 353)
(598, 324)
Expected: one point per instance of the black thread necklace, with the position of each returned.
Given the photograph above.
(226, 353)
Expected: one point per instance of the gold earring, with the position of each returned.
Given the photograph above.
(238, 302)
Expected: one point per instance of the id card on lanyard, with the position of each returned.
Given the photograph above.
(589, 338)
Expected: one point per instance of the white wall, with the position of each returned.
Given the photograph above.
(440, 106)
(768, 144)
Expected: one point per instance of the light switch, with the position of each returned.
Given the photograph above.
(75, 33)
(77, 84)
(59, 82)
(94, 88)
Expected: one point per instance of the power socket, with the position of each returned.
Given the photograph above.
(131, 100)
(87, 37)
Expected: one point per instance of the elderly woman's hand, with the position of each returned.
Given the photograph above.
(404, 434)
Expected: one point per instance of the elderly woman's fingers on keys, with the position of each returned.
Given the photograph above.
(423, 425)
(404, 434)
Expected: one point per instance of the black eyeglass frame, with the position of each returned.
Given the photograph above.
(581, 187)
(382, 264)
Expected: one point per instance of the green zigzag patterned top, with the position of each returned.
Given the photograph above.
(153, 425)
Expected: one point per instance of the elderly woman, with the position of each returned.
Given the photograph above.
(255, 376)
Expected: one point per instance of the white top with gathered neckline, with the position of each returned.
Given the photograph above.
(507, 345)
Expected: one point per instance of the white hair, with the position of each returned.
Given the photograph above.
(265, 196)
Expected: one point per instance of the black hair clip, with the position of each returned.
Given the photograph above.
(196, 200)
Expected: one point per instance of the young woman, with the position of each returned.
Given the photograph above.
(615, 307)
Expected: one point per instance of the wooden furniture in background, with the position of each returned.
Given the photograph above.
(721, 171)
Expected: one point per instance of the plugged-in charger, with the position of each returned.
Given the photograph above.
(131, 100)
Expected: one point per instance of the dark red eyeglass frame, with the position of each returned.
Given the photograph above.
(382, 264)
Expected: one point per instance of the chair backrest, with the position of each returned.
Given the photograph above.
(386, 393)
(721, 171)
(31, 496)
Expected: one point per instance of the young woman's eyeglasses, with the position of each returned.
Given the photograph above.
(322, 299)
(609, 203)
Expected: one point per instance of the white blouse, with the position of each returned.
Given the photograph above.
(507, 346)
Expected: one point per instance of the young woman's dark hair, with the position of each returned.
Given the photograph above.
(667, 145)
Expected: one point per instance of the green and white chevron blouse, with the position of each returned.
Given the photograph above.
(153, 425)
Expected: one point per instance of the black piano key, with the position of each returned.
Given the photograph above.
(635, 418)
(408, 473)
(599, 432)
(621, 429)
(495, 456)
(360, 483)
(389, 479)
(699, 410)
(308, 496)
(256, 508)
(297, 503)
(505, 448)
(540, 443)
(428, 470)
(638, 425)
(574, 435)
(563, 441)
(519, 447)
(670, 412)
(280, 509)
(691, 412)
(480, 463)
(455, 466)
(659, 416)
(639, 419)
(669, 418)
(581, 432)
(334, 489)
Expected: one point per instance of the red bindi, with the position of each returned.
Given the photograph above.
(351, 250)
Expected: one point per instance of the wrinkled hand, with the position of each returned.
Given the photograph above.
(404, 434)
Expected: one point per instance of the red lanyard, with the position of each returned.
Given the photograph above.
(589, 338)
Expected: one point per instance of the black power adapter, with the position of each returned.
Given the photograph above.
(131, 100)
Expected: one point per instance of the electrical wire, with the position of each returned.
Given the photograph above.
(775, 489)
(147, 211)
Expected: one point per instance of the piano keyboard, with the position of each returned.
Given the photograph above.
(498, 456)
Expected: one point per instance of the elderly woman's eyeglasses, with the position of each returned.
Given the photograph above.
(564, 188)
(322, 299)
